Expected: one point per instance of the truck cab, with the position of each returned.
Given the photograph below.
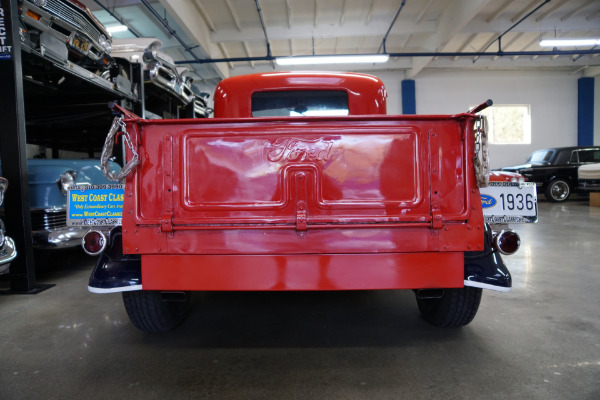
(303, 182)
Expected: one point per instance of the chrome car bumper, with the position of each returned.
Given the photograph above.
(65, 22)
(7, 254)
(50, 230)
(58, 238)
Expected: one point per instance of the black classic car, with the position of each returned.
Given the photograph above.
(554, 170)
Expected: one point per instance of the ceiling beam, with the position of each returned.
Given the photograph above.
(421, 15)
(248, 52)
(591, 72)
(288, 10)
(577, 10)
(322, 31)
(553, 7)
(377, 29)
(500, 25)
(343, 13)
(370, 12)
(525, 10)
(499, 11)
(225, 53)
(188, 16)
(466, 43)
(454, 18)
(593, 15)
(204, 14)
(234, 16)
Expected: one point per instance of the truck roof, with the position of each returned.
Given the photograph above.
(366, 93)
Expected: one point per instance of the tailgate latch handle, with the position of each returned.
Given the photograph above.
(437, 220)
(301, 206)
(301, 216)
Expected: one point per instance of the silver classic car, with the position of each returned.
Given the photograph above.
(66, 30)
(159, 68)
(7, 246)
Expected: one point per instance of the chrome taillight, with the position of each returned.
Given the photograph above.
(94, 242)
(507, 242)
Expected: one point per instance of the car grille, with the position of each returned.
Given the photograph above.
(74, 17)
(42, 220)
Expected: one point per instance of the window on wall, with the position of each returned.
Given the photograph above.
(509, 123)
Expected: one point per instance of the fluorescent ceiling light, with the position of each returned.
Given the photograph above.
(335, 59)
(116, 28)
(569, 42)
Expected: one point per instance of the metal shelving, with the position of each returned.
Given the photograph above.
(59, 105)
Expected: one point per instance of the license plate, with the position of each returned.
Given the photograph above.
(505, 202)
(95, 205)
(80, 44)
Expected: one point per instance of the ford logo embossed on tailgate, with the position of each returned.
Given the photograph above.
(293, 149)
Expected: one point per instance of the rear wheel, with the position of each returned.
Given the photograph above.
(154, 312)
(456, 307)
(557, 190)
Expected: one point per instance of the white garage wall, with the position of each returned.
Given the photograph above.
(552, 96)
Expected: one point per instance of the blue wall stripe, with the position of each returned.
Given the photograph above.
(585, 112)
(409, 105)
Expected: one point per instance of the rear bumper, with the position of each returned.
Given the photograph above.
(110, 275)
(116, 272)
(485, 269)
(7, 254)
(58, 238)
(303, 272)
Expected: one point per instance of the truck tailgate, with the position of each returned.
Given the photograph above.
(312, 185)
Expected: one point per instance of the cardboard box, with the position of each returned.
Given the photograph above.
(594, 199)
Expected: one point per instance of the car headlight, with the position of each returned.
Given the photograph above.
(106, 45)
(67, 180)
(153, 69)
(150, 55)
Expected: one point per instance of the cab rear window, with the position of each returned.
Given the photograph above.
(297, 103)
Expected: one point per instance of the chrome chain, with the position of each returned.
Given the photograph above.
(118, 126)
(481, 161)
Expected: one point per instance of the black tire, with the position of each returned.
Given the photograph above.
(557, 190)
(149, 312)
(456, 307)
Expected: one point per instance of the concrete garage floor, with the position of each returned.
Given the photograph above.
(540, 341)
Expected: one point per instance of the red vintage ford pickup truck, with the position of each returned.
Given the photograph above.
(302, 182)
